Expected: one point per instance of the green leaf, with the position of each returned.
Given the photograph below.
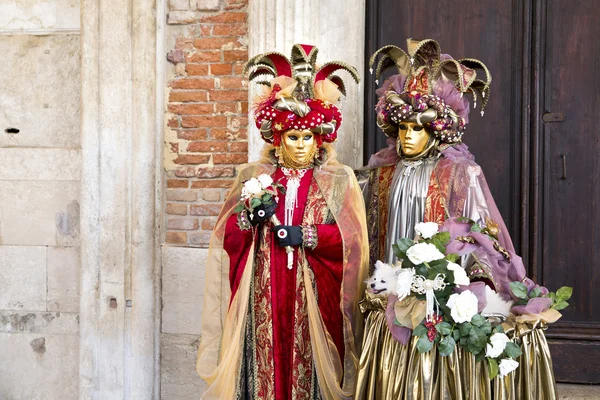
(424, 345)
(512, 350)
(561, 305)
(238, 208)
(480, 356)
(493, 368)
(255, 202)
(442, 237)
(420, 331)
(552, 295)
(499, 329)
(266, 197)
(475, 227)
(446, 346)
(478, 320)
(465, 220)
(444, 328)
(519, 289)
(486, 328)
(452, 257)
(465, 329)
(535, 292)
(564, 293)
(456, 335)
(397, 323)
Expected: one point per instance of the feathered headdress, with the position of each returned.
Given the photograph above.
(428, 89)
(297, 94)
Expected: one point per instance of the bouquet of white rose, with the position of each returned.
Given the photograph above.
(261, 192)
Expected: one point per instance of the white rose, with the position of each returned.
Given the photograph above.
(265, 180)
(507, 366)
(460, 275)
(463, 306)
(497, 344)
(253, 186)
(426, 229)
(404, 283)
(423, 252)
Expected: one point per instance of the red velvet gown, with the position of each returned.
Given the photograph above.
(325, 261)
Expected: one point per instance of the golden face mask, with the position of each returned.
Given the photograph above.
(412, 139)
(297, 149)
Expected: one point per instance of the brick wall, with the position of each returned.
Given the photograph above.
(206, 115)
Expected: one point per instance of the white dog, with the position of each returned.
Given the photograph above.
(384, 279)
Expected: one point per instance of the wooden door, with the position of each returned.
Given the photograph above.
(567, 136)
(543, 57)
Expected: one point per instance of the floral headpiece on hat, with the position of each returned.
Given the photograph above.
(428, 89)
(297, 94)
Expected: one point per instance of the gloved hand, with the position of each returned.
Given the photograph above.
(261, 213)
(288, 235)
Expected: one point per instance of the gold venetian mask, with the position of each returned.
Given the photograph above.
(412, 139)
(297, 149)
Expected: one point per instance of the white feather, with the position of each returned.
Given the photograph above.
(496, 304)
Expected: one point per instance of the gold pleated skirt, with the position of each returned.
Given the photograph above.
(390, 370)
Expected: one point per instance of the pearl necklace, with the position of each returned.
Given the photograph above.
(291, 191)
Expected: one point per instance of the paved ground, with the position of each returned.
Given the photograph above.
(578, 392)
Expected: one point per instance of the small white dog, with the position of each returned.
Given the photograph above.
(384, 279)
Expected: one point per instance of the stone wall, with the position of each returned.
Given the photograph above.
(207, 107)
(39, 199)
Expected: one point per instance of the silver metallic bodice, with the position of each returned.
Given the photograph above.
(408, 195)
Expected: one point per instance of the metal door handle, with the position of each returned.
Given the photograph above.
(564, 163)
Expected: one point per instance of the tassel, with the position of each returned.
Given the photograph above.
(290, 256)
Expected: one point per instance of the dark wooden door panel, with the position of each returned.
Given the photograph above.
(491, 31)
(571, 172)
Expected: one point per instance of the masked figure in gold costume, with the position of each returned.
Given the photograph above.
(281, 317)
(428, 175)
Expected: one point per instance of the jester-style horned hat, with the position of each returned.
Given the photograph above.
(428, 89)
(297, 94)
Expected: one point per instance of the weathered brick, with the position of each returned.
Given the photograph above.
(202, 122)
(230, 30)
(244, 106)
(191, 159)
(176, 56)
(230, 158)
(193, 83)
(177, 96)
(186, 171)
(177, 183)
(182, 195)
(212, 183)
(206, 147)
(220, 134)
(196, 69)
(200, 239)
(235, 4)
(216, 43)
(187, 224)
(235, 55)
(235, 124)
(204, 56)
(208, 224)
(179, 5)
(211, 195)
(238, 69)
(182, 17)
(221, 69)
(226, 17)
(173, 123)
(176, 209)
(214, 172)
(205, 209)
(206, 5)
(229, 107)
(174, 147)
(231, 83)
(228, 95)
(238, 147)
(191, 134)
(206, 29)
(176, 237)
(191, 109)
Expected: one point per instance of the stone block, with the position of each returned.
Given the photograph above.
(63, 279)
(41, 90)
(44, 213)
(31, 164)
(183, 272)
(179, 5)
(39, 367)
(42, 323)
(22, 278)
(39, 15)
(183, 17)
(179, 380)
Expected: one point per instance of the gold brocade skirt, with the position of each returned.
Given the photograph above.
(390, 370)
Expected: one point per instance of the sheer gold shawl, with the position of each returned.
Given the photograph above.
(223, 325)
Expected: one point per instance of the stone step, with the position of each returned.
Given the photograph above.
(568, 391)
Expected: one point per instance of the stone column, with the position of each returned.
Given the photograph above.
(119, 145)
(337, 28)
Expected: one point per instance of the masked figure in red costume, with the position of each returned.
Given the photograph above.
(280, 319)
